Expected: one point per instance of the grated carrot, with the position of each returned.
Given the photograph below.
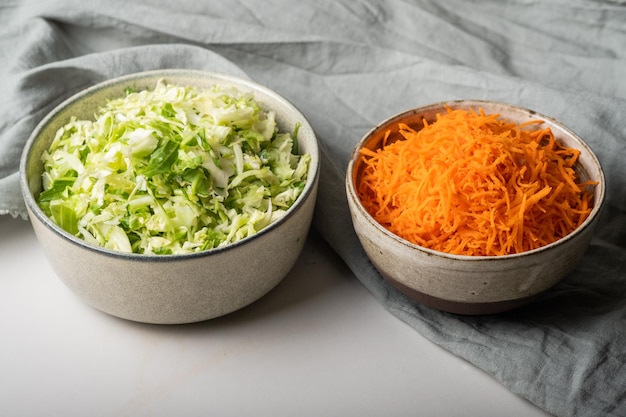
(474, 184)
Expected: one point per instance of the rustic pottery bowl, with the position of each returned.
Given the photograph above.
(466, 284)
(171, 289)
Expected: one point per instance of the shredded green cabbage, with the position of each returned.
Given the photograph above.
(172, 170)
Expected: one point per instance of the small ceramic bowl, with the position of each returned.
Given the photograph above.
(171, 289)
(466, 284)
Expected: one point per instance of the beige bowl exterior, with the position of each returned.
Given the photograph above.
(171, 289)
(471, 284)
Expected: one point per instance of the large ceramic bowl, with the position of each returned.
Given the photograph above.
(171, 289)
(466, 284)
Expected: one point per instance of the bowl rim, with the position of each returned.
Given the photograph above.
(216, 77)
(599, 193)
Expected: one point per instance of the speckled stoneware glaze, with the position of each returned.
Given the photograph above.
(171, 289)
(472, 284)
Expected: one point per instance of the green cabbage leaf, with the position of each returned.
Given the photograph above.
(172, 170)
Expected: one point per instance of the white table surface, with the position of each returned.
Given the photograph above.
(319, 344)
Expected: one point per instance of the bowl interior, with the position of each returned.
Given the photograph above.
(587, 168)
(85, 104)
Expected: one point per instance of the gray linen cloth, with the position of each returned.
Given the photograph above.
(348, 65)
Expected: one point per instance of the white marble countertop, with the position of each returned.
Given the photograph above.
(319, 344)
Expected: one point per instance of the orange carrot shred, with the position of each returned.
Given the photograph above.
(470, 183)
